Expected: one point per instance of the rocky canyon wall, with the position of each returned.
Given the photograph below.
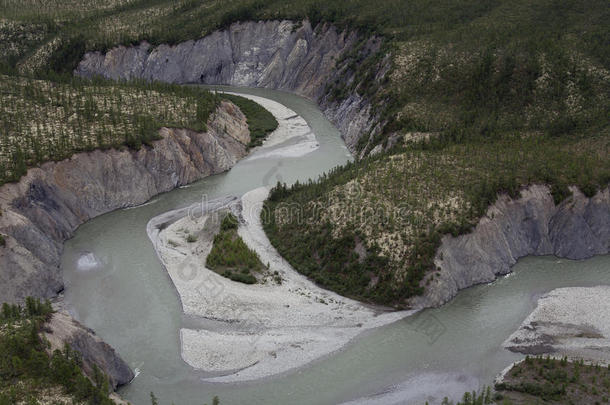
(280, 55)
(46, 206)
(577, 228)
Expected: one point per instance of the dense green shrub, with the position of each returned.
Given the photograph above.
(71, 51)
(230, 256)
(228, 222)
(240, 277)
(260, 121)
(560, 192)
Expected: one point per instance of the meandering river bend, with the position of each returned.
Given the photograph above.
(116, 285)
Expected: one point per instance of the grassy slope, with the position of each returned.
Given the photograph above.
(44, 120)
(260, 121)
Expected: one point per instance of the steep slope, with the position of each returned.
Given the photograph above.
(61, 329)
(372, 229)
(578, 228)
(280, 55)
(46, 206)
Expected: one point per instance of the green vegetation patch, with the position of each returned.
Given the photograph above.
(42, 120)
(371, 229)
(310, 245)
(231, 257)
(260, 121)
(548, 380)
(484, 397)
(18, 37)
(28, 374)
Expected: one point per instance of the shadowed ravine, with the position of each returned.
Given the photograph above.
(130, 301)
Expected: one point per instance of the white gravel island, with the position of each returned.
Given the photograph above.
(572, 322)
(245, 332)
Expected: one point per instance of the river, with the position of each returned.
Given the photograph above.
(116, 285)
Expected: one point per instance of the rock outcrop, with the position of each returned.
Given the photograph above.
(46, 206)
(280, 55)
(577, 228)
(62, 329)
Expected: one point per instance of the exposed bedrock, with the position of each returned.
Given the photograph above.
(280, 55)
(577, 228)
(46, 206)
(61, 329)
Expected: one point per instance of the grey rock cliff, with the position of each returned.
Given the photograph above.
(578, 228)
(278, 55)
(46, 206)
(61, 329)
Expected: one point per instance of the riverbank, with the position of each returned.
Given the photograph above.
(566, 339)
(258, 330)
(512, 228)
(571, 322)
(292, 138)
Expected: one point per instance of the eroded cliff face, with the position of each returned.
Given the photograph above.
(278, 55)
(46, 206)
(61, 329)
(578, 228)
